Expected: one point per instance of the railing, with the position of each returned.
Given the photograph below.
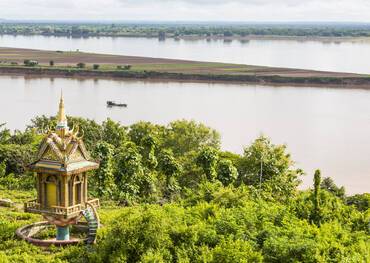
(94, 202)
(34, 207)
(59, 210)
(31, 205)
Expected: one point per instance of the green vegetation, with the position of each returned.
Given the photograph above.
(211, 74)
(30, 63)
(170, 194)
(178, 30)
(81, 65)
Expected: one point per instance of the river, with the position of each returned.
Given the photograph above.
(340, 56)
(323, 128)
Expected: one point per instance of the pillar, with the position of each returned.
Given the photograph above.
(63, 233)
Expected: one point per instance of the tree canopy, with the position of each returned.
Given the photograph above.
(170, 194)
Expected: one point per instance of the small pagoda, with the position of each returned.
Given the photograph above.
(61, 168)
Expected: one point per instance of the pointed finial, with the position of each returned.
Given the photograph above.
(61, 112)
(61, 117)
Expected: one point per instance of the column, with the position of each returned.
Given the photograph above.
(63, 233)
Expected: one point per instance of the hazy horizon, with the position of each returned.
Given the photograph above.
(272, 11)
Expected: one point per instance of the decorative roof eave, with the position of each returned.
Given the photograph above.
(57, 169)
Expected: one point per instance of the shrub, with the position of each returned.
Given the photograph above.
(96, 66)
(51, 63)
(81, 65)
(30, 63)
(124, 67)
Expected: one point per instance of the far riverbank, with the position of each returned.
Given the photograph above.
(91, 65)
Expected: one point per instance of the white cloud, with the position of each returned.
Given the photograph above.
(232, 10)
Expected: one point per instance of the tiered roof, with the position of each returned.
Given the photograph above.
(62, 151)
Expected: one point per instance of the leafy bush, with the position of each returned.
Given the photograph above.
(30, 63)
(81, 65)
(124, 67)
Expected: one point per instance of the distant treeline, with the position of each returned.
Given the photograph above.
(179, 30)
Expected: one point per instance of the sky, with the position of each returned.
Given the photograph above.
(188, 10)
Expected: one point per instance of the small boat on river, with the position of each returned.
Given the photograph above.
(115, 104)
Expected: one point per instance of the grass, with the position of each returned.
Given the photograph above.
(17, 250)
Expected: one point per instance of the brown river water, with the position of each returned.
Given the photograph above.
(323, 128)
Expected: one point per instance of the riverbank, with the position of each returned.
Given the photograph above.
(64, 64)
(364, 82)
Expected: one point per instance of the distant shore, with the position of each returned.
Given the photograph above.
(330, 39)
(64, 64)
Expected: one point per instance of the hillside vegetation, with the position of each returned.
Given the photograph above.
(170, 194)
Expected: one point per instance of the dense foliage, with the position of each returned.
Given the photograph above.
(170, 194)
(189, 29)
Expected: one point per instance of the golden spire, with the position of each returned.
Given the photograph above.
(62, 124)
(61, 113)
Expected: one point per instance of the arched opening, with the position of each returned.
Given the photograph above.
(51, 191)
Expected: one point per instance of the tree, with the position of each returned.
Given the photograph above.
(268, 166)
(4, 134)
(171, 168)
(207, 160)
(148, 146)
(140, 130)
(104, 175)
(127, 67)
(129, 173)
(81, 65)
(30, 63)
(226, 172)
(360, 201)
(316, 198)
(17, 157)
(113, 133)
(96, 66)
(329, 185)
(185, 136)
(51, 63)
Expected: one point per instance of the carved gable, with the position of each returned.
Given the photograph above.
(49, 154)
(76, 156)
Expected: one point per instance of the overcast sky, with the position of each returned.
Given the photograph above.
(194, 10)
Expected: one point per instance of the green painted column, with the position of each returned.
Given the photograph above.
(62, 233)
